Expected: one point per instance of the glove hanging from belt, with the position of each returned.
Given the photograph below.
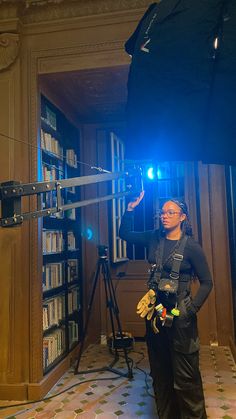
(146, 305)
(153, 310)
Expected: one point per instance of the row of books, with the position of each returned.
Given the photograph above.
(53, 311)
(71, 158)
(52, 145)
(52, 241)
(49, 143)
(53, 275)
(73, 332)
(53, 346)
(50, 201)
(51, 173)
(73, 300)
(71, 240)
(60, 332)
(72, 270)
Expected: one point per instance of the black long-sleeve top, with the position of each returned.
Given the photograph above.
(194, 260)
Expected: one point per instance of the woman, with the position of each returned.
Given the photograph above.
(173, 351)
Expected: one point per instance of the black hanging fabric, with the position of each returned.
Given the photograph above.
(220, 146)
(175, 79)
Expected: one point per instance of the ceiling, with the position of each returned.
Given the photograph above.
(97, 95)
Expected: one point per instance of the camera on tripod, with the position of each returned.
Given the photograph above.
(102, 250)
(118, 340)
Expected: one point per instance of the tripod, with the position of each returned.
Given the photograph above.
(111, 303)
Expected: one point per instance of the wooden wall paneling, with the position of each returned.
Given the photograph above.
(22, 268)
(207, 315)
(191, 199)
(220, 251)
(35, 305)
(190, 195)
(36, 391)
(18, 391)
(90, 220)
(14, 365)
(14, 315)
(129, 290)
(7, 145)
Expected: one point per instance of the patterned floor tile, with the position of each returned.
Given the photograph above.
(46, 414)
(121, 398)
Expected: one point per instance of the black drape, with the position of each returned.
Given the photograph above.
(179, 87)
(221, 131)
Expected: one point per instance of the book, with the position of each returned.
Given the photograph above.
(72, 270)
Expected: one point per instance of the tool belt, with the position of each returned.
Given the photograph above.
(166, 288)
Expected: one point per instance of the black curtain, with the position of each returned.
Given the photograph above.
(221, 135)
(181, 89)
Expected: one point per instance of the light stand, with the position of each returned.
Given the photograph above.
(111, 303)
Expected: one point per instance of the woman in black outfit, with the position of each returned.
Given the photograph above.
(173, 351)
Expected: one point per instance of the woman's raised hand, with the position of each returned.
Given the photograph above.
(133, 204)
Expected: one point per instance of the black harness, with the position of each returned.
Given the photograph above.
(157, 269)
(167, 287)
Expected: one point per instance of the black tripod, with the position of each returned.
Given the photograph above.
(111, 303)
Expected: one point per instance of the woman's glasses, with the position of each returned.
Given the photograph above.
(168, 213)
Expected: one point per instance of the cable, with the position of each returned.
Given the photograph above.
(58, 394)
(87, 381)
(144, 372)
(147, 388)
(63, 157)
(146, 382)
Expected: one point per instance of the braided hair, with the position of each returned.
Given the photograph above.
(185, 225)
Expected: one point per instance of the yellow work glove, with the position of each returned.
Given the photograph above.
(146, 305)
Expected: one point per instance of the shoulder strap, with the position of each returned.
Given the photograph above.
(178, 257)
(159, 254)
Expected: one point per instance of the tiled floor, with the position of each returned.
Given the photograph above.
(117, 397)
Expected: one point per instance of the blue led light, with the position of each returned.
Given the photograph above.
(150, 173)
(89, 233)
(159, 173)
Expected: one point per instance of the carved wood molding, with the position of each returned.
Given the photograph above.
(69, 59)
(35, 11)
(9, 49)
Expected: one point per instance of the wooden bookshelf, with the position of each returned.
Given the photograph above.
(61, 244)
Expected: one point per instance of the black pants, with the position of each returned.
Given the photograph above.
(176, 378)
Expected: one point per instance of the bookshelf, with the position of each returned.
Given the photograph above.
(61, 240)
